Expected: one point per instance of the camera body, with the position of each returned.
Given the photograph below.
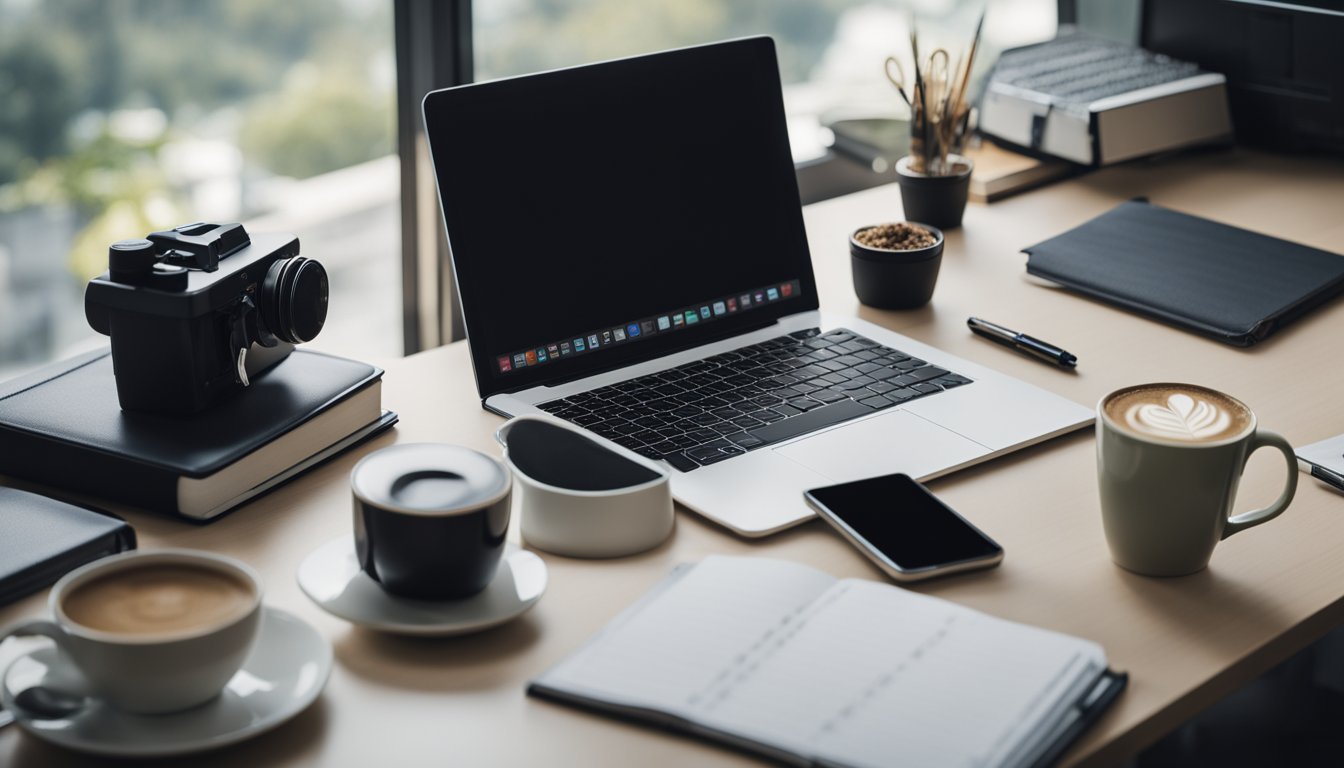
(195, 312)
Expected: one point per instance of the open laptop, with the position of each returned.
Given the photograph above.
(629, 250)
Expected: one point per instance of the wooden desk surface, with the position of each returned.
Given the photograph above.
(1185, 642)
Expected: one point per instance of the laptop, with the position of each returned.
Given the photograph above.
(629, 251)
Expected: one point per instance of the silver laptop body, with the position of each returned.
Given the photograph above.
(568, 303)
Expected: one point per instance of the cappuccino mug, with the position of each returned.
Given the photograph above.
(1169, 459)
(154, 631)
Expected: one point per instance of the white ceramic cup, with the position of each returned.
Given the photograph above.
(581, 496)
(159, 673)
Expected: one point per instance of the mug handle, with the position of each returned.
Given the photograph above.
(34, 627)
(1255, 517)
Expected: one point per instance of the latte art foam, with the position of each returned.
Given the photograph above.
(1182, 417)
(1178, 412)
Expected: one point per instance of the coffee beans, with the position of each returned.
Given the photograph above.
(896, 237)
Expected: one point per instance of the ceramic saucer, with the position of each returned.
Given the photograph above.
(332, 578)
(285, 673)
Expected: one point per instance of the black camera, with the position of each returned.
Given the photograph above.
(186, 333)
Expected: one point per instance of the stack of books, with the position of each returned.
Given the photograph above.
(878, 142)
(1000, 172)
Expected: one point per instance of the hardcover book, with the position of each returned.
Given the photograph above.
(1001, 173)
(1099, 102)
(44, 539)
(998, 173)
(63, 426)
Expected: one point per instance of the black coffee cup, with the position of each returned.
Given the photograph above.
(430, 519)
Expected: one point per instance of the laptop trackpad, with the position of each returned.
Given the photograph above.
(896, 441)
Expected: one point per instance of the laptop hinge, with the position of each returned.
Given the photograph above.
(736, 331)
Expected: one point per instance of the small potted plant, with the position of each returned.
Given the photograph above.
(895, 266)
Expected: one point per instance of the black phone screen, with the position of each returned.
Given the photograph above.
(906, 523)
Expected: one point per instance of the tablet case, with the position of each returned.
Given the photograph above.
(1233, 285)
(44, 539)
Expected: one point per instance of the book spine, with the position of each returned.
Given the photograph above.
(61, 465)
(46, 573)
(877, 158)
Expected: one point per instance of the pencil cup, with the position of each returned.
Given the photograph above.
(936, 200)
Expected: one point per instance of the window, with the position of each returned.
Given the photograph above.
(830, 51)
(121, 118)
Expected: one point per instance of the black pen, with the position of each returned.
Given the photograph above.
(1021, 342)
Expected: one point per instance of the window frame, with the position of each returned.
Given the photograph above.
(433, 42)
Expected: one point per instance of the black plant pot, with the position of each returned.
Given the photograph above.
(895, 279)
(936, 200)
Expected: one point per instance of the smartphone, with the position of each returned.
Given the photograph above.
(904, 528)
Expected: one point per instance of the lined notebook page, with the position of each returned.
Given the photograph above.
(670, 648)
(852, 672)
(877, 675)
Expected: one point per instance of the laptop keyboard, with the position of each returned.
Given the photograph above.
(723, 406)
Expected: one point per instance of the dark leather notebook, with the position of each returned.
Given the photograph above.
(1224, 282)
(44, 539)
(64, 427)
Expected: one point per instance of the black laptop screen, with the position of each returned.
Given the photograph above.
(610, 200)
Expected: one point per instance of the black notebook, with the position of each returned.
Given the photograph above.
(785, 661)
(44, 539)
(64, 427)
(1221, 281)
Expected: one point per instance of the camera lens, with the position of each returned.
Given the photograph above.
(294, 299)
(128, 260)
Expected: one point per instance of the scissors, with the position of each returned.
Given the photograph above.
(936, 80)
(896, 74)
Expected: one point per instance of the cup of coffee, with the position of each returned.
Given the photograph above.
(430, 519)
(154, 631)
(1169, 459)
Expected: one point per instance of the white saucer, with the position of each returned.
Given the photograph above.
(285, 673)
(332, 578)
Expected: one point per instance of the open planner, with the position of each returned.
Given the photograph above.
(788, 662)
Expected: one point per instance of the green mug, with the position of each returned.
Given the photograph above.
(1169, 459)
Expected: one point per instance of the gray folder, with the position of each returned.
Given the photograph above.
(1224, 282)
